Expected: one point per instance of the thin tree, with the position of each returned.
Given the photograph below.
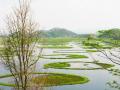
(112, 38)
(19, 51)
(111, 53)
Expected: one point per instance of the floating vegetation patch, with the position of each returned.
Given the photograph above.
(87, 47)
(55, 46)
(92, 50)
(76, 56)
(51, 79)
(53, 54)
(57, 65)
(65, 56)
(70, 51)
(60, 79)
(106, 47)
(78, 65)
(102, 47)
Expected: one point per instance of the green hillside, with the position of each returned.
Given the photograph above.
(56, 32)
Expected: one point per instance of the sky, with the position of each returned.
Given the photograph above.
(80, 16)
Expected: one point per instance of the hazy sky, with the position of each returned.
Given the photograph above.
(81, 16)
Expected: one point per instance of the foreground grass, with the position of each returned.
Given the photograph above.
(52, 79)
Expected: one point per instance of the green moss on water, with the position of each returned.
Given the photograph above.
(56, 47)
(60, 79)
(70, 52)
(88, 47)
(73, 56)
(68, 56)
(66, 65)
(53, 54)
(60, 65)
(52, 79)
(105, 65)
(92, 50)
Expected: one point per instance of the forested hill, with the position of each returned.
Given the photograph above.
(57, 32)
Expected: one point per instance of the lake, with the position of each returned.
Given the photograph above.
(98, 78)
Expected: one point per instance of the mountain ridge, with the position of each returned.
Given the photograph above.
(57, 32)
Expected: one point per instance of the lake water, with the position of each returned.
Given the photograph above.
(98, 78)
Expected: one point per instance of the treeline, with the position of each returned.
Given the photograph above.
(64, 33)
(111, 34)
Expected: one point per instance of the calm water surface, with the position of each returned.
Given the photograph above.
(98, 78)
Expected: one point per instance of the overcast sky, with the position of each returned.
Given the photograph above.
(81, 16)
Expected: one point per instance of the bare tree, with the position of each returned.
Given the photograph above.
(19, 51)
(112, 54)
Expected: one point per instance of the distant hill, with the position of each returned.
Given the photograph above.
(57, 32)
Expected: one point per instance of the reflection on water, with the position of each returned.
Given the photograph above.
(114, 83)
